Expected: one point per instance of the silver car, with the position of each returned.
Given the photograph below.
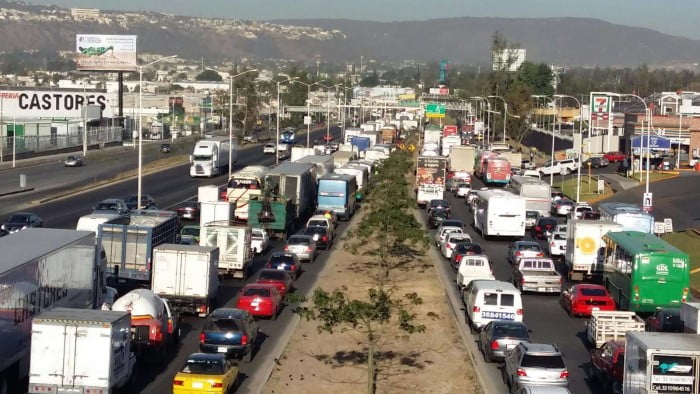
(73, 161)
(303, 246)
(499, 336)
(111, 205)
(534, 364)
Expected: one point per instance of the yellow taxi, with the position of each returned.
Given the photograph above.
(206, 373)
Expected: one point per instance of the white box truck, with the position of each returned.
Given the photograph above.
(583, 239)
(210, 157)
(186, 276)
(462, 159)
(661, 362)
(299, 151)
(208, 193)
(324, 164)
(235, 253)
(80, 351)
(91, 222)
(40, 269)
(216, 211)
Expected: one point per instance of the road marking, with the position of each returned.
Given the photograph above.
(695, 271)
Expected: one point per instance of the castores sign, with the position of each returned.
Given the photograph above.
(51, 104)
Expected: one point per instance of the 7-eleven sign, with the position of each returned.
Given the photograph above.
(600, 103)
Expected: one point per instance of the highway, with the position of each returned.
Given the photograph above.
(168, 188)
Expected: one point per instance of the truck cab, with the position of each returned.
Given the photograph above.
(537, 275)
(608, 364)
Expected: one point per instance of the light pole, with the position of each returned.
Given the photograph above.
(328, 108)
(680, 126)
(277, 140)
(230, 118)
(580, 145)
(505, 115)
(345, 111)
(646, 118)
(308, 108)
(140, 171)
(551, 172)
(488, 116)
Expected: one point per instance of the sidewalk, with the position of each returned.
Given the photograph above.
(619, 182)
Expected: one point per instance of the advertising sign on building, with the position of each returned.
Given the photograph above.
(98, 52)
(35, 104)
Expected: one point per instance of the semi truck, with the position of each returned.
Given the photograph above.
(42, 269)
(80, 351)
(216, 211)
(296, 181)
(233, 241)
(186, 276)
(129, 247)
(389, 134)
(430, 178)
(210, 157)
(448, 143)
(583, 240)
(661, 362)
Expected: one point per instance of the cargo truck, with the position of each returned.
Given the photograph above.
(210, 157)
(462, 159)
(41, 269)
(362, 143)
(389, 134)
(80, 351)
(449, 142)
(276, 215)
(659, 362)
(361, 176)
(352, 132)
(605, 326)
(514, 158)
(432, 134)
(430, 178)
(296, 181)
(129, 247)
(341, 158)
(689, 317)
(233, 241)
(299, 151)
(186, 276)
(449, 129)
(216, 211)
(244, 183)
(324, 164)
(583, 240)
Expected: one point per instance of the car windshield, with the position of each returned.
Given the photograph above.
(104, 206)
(315, 230)
(256, 291)
(531, 214)
(548, 222)
(222, 325)
(463, 185)
(272, 275)
(71, 158)
(249, 184)
(257, 235)
(203, 367)
(189, 204)
(284, 259)
(441, 213)
(439, 203)
(588, 292)
(19, 219)
(192, 231)
(531, 247)
(298, 241)
(452, 223)
(509, 330)
(318, 223)
(542, 361)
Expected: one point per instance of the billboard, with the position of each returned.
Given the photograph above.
(34, 104)
(97, 52)
(431, 170)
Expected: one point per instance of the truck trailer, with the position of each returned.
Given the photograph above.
(324, 164)
(296, 181)
(583, 239)
(42, 269)
(233, 241)
(210, 157)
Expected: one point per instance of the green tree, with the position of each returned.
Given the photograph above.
(208, 75)
(370, 81)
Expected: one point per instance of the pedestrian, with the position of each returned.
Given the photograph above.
(532, 156)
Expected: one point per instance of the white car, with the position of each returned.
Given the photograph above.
(462, 189)
(562, 167)
(556, 243)
(530, 173)
(443, 232)
(321, 221)
(579, 209)
(451, 241)
(259, 240)
(269, 149)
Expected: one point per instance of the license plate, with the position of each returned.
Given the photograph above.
(121, 280)
(255, 304)
(595, 308)
(498, 315)
(221, 349)
(541, 289)
(197, 385)
(280, 267)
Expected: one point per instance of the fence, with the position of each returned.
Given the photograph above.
(25, 144)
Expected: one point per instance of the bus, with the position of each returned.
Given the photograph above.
(244, 183)
(630, 216)
(337, 193)
(642, 272)
(537, 193)
(500, 213)
(497, 171)
(480, 161)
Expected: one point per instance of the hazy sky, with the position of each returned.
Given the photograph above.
(677, 17)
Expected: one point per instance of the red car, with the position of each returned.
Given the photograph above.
(582, 299)
(261, 300)
(608, 365)
(276, 277)
(615, 157)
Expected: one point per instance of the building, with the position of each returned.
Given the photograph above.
(81, 14)
(508, 59)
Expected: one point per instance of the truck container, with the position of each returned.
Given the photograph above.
(186, 276)
(375, 155)
(606, 326)
(41, 269)
(430, 178)
(361, 177)
(92, 221)
(689, 317)
(352, 132)
(362, 143)
(208, 193)
(276, 215)
(299, 151)
(583, 240)
(216, 211)
(80, 351)
(449, 129)
(341, 158)
(515, 158)
(449, 142)
(324, 164)
(432, 134)
(366, 165)
(296, 181)
(370, 126)
(462, 158)
(375, 137)
(337, 193)
(211, 156)
(660, 362)
(129, 246)
(389, 134)
(233, 241)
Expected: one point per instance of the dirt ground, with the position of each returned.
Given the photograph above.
(434, 361)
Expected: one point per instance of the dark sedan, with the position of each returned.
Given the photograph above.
(464, 249)
(320, 236)
(20, 221)
(544, 227)
(231, 331)
(499, 336)
(188, 210)
(665, 320)
(147, 202)
(437, 216)
(597, 162)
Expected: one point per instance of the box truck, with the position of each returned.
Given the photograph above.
(210, 157)
(583, 239)
(41, 269)
(235, 254)
(341, 158)
(430, 178)
(80, 351)
(216, 211)
(186, 276)
(296, 181)
(324, 164)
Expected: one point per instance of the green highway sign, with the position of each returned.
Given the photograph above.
(434, 110)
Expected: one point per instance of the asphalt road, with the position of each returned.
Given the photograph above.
(542, 313)
(168, 188)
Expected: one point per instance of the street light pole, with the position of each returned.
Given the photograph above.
(230, 119)
(277, 140)
(579, 153)
(505, 115)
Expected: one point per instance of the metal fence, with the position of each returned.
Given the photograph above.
(42, 143)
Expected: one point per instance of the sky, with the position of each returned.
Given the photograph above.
(676, 17)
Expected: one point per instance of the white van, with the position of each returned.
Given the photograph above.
(487, 300)
(92, 221)
(473, 267)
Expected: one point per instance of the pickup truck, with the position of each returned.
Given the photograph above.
(561, 167)
(611, 326)
(608, 364)
(537, 274)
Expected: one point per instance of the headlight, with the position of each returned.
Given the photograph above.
(23, 227)
(3, 227)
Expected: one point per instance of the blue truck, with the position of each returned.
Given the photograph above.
(337, 193)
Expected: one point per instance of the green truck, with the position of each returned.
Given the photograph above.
(277, 215)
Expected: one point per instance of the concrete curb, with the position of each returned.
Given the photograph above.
(18, 191)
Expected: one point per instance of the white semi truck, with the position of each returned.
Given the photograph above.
(210, 157)
(41, 269)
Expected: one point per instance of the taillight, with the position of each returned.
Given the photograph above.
(564, 374)
(286, 247)
(494, 345)
(551, 243)
(157, 334)
(217, 385)
(540, 254)
(268, 265)
(636, 292)
(522, 281)
(519, 312)
(538, 228)
(244, 339)
(324, 238)
(178, 382)
(309, 249)
(685, 295)
(476, 309)
(448, 245)
(518, 253)
(170, 325)
(521, 372)
(294, 267)
(202, 337)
